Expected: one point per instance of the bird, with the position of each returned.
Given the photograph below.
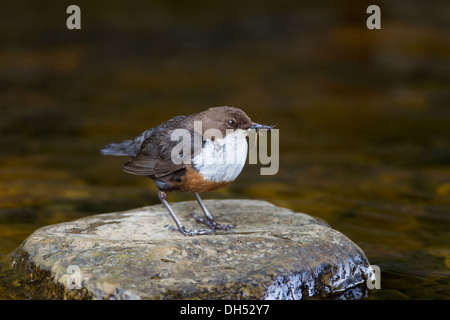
(195, 153)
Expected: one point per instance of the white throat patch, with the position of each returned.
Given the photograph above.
(223, 159)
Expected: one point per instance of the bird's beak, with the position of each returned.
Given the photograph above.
(257, 126)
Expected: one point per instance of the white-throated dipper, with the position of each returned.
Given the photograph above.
(198, 153)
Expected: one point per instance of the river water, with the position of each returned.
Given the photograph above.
(364, 116)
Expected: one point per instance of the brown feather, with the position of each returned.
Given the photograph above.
(155, 156)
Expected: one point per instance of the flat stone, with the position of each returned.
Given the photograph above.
(273, 253)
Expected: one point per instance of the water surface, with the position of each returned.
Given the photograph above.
(364, 116)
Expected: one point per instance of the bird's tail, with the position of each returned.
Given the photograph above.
(124, 148)
(127, 147)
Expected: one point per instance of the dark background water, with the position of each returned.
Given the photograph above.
(364, 115)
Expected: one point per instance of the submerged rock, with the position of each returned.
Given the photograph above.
(273, 253)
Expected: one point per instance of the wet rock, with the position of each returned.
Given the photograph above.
(273, 253)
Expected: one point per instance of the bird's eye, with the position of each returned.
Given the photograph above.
(231, 123)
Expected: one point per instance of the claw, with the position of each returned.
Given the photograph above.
(188, 232)
(213, 224)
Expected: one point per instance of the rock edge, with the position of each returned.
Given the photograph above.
(274, 253)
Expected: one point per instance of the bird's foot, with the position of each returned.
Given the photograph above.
(213, 224)
(188, 232)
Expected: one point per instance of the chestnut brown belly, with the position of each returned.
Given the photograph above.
(189, 180)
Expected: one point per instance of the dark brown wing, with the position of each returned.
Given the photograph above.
(155, 156)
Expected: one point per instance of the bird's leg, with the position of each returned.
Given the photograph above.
(187, 232)
(209, 221)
